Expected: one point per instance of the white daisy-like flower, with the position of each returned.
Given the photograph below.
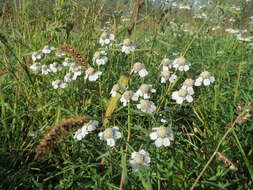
(100, 58)
(139, 159)
(106, 38)
(37, 56)
(77, 71)
(47, 49)
(167, 75)
(55, 67)
(128, 46)
(127, 96)
(35, 66)
(145, 91)
(67, 62)
(182, 95)
(117, 89)
(91, 74)
(188, 85)
(110, 135)
(87, 127)
(68, 77)
(162, 136)
(140, 69)
(58, 84)
(166, 64)
(146, 106)
(205, 78)
(181, 64)
(45, 70)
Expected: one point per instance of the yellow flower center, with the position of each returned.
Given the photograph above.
(104, 35)
(188, 82)
(97, 55)
(138, 66)
(205, 74)
(127, 42)
(138, 158)
(162, 132)
(181, 60)
(182, 92)
(145, 88)
(90, 71)
(144, 104)
(108, 133)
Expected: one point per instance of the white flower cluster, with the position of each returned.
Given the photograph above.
(166, 73)
(71, 68)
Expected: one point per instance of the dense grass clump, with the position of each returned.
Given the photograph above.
(95, 97)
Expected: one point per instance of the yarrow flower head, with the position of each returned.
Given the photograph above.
(145, 91)
(162, 136)
(91, 74)
(205, 78)
(117, 89)
(188, 85)
(181, 64)
(47, 49)
(139, 159)
(55, 67)
(76, 69)
(128, 46)
(127, 96)
(37, 56)
(182, 95)
(110, 135)
(58, 84)
(106, 38)
(146, 106)
(166, 64)
(140, 69)
(100, 58)
(167, 75)
(87, 127)
(35, 67)
(45, 70)
(67, 62)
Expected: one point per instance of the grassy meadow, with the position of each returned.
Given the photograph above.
(210, 137)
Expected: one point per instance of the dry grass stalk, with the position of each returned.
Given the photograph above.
(72, 52)
(51, 137)
(226, 161)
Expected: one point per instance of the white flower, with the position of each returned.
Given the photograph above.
(127, 96)
(117, 88)
(188, 85)
(91, 74)
(81, 133)
(68, 77)
(35, 67)
(205, 78)
(58, 84)
(67, 62)
(139, 159)
(166, 64)
(163, 120)
(37, 56)
(128, 46)
(181, 64)
(145, 91)
(100, 58)
(54, 67)
(77, 71)
(110, 135)
(140, 69)
(162, 136)
(146, 106)
(47, 49)
(166, 75)
(105, 38)
(182, 95)
(44, 70)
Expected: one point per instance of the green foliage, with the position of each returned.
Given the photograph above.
(29, 103)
